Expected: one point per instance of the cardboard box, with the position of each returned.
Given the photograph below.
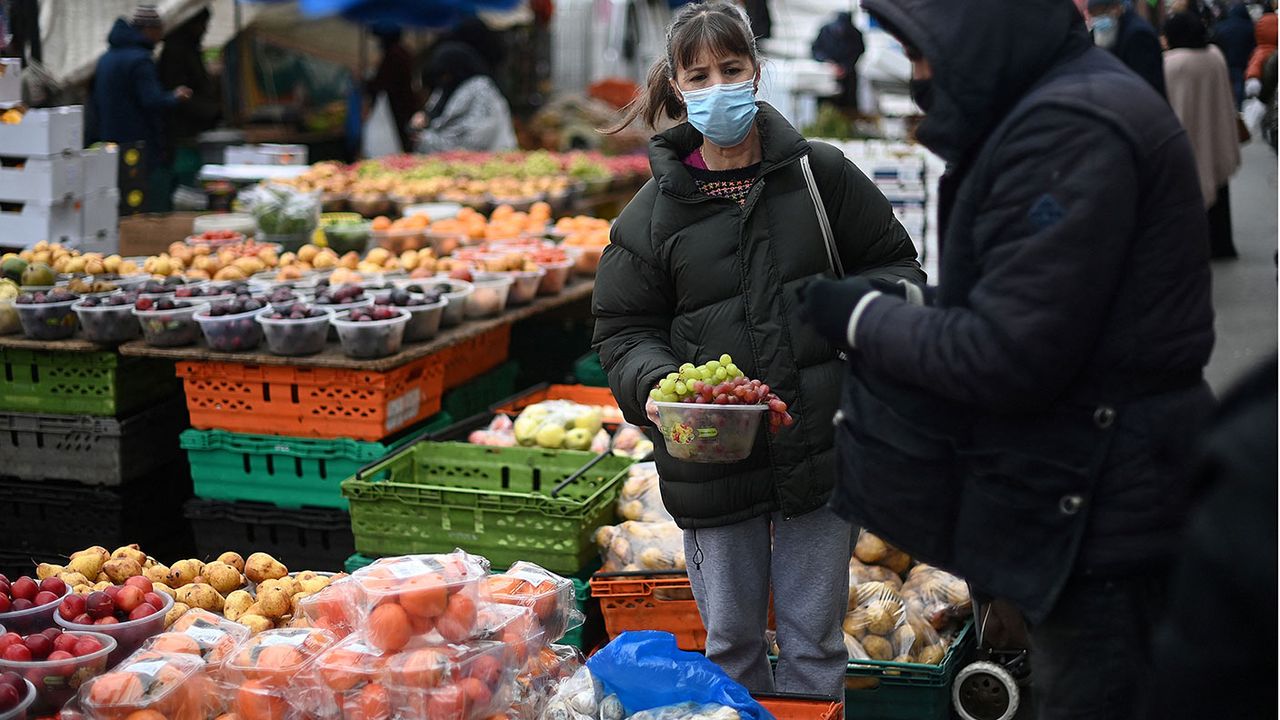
(44, 132)
(35, 221)
(10, 82)
(152, 234)
(101, 168)
(46, 179)
(101, 215)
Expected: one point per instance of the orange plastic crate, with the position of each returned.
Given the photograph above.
(584, 394)
(473, 357)
(309, 401)
(650, 601)
(800, 707)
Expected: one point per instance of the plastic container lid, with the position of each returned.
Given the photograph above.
(275, 656)
(414, 581)
(198, 632)
(148, 679)
(709, 433)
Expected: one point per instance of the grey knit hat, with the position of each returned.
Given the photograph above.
(145, 17)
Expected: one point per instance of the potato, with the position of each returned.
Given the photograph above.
(133, 552)
(162, 588)
(897, 561)
(121, 569)
(877, 647)
(855, 623)
(274, 602)
(176, 611)
(883, 616)
(870, 549)
(45, 570)
(236, 604)
(232, 559)
(157, 573)
(201, 596)
(261, 566)
(223, 577)
(73, 579)
(184, 572)
(930, 654)
(256, 623)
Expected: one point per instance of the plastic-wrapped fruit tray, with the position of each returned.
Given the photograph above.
(311, 402)
(91, 450)
(75, 383)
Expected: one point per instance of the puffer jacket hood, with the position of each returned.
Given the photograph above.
(984, 56)
(1265, 30)
(124, 35)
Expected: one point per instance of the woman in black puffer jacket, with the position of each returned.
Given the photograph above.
(705, 261)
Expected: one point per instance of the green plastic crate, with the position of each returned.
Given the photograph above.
(906, 691)
(587, 371)
(477, 395)
(496, 502)
(82, 383)
(581, 594)
(289, 472)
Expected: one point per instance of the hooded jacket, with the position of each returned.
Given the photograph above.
(1234, 34)
(687, 278)
(1138, 47)
(1265, 35)
(1025, 426)
(129, 101)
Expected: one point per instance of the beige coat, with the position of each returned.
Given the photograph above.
(1200, 93)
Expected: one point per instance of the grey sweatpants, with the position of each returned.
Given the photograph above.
(730, 569)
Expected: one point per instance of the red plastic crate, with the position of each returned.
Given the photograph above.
(799, 707)
(583, 394)
(472, 358)
(309, 401)
(650, 601)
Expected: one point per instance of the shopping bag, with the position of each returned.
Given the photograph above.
(380, 135)
(646, 670)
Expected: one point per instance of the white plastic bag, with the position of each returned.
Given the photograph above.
(380, 135)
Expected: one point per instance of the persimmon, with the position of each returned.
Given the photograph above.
(389, 628)
(145, 715)
(116, 688)
(258, 701)
(370, 703)
(478, 694)
(425, 597)
(419, 668)
(458, 620)
(175, 642)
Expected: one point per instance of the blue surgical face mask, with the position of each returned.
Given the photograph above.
(722, 113)
(1105, 31)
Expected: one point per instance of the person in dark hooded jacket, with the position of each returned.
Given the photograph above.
(1024, 426)
(1234, 35)
(701, 263)
(839, 42)
(129, 102)
(1120, 30)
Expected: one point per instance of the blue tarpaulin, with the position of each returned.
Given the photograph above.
(414, 13)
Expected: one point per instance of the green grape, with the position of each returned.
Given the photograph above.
(705, 373)
(682, 389)
(668, 385)
(656, 394)
(726, 360)
(721, 375)
(733, 371)
(712, 365)
(686, 367)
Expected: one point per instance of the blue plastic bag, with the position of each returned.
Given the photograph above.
(646, 670)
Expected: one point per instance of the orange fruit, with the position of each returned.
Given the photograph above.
(389, 628)
(145, 715)
(419, 668)
(175, 642)
(371, 703)
(257, 701)
(425, 597)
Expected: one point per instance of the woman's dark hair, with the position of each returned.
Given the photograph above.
(719, 27)
(451, 64)
(1185, 30)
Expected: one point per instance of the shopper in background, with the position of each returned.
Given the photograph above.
(1020, 424)
(839, 43)
(700, 264)
(1234, 36)
(1117, 28)
(1200, 93)
(466, 111)
(394, 79)
(1264, 49)
(130, 104)
(182, 65)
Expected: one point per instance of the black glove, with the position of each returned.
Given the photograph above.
(827, 305)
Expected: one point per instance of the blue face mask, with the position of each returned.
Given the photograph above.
(723, 113)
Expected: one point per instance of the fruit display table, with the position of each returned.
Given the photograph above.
(332, 357)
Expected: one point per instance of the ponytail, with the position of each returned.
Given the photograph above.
(655, 100)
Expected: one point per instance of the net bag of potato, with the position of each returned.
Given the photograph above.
(641, 547)
(549, 596)
(877, 616)
(939, 597)
(640, 499)
(860, 573)
(871, 550)
(582, 697)
(542, 677)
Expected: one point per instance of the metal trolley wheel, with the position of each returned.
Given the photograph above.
(985, 691)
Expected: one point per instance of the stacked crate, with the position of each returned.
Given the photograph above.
(50, 188)
(90, 455)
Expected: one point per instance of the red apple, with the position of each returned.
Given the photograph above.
(52, 633)
(141, 583)
(86, 646)
(128, 598)
(4, 603)
(71, 607)
(66, 642)
(24, 588)
(99, 605)
(66, 668)
(108, 620)
(17, 653)
(54, 585)
(153, 599)
(21, 604)
(44, 597)
(143, 610)
(4, 588)
(83, 619)
(39, 645)
(9, 697)
(112, 591)
(9, 638)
